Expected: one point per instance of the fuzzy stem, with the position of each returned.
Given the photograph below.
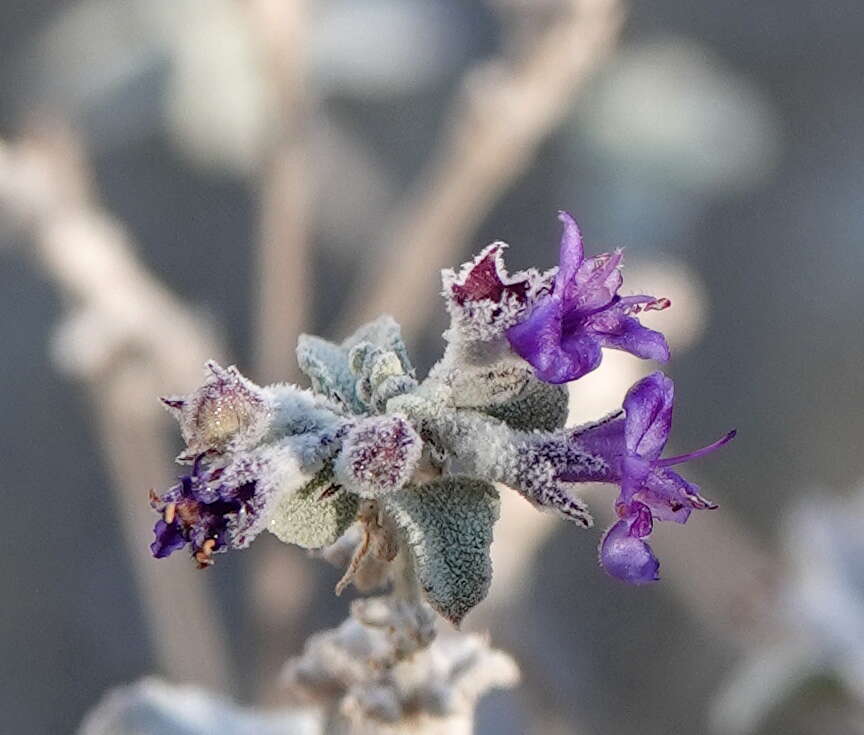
(405, 584)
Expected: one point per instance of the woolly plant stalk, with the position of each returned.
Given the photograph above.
(397, 478)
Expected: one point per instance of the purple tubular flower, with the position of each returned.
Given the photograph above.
(210, 509)
(563, 334)
(630, 447)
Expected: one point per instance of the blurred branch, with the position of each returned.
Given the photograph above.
(284, 299)
(724, 579)
(126, 338)
(507, 108)
(283, 256)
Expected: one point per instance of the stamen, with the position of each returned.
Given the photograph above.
(638, 304)
(170, 511)
(204, 556)
(658, 305)
(669, 461)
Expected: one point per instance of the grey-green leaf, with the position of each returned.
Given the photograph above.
(327, 366)
(541, 406)
(305, 519)
(385, 333)
(448, 527)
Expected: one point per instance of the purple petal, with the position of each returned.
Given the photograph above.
(648, 406)
(628, 335)
(538, 341)
(604, 439)
(634, 472)
(594, 286)
(565, 330)
(624, 554)
(581, 355)
(571, 253)
(640, 520)
(169, 539)
(670, 496)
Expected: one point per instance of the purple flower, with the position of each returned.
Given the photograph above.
(630, 447)
(563, 334)
(211, 509)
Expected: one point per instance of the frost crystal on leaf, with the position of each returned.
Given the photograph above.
(326, 366)
(380, 375)
(483, 300)
(237, 484)
(538, 406)
(385, 672)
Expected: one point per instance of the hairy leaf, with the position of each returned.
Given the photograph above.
(309, 520)
(448, 528)
(328, 366)
(539, 406)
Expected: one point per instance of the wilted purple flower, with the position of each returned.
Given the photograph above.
(211, 509)
(563, 334)
(630, 447)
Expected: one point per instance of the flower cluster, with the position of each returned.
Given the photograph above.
(415, 465)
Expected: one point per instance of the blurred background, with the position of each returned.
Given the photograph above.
(184, 179)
